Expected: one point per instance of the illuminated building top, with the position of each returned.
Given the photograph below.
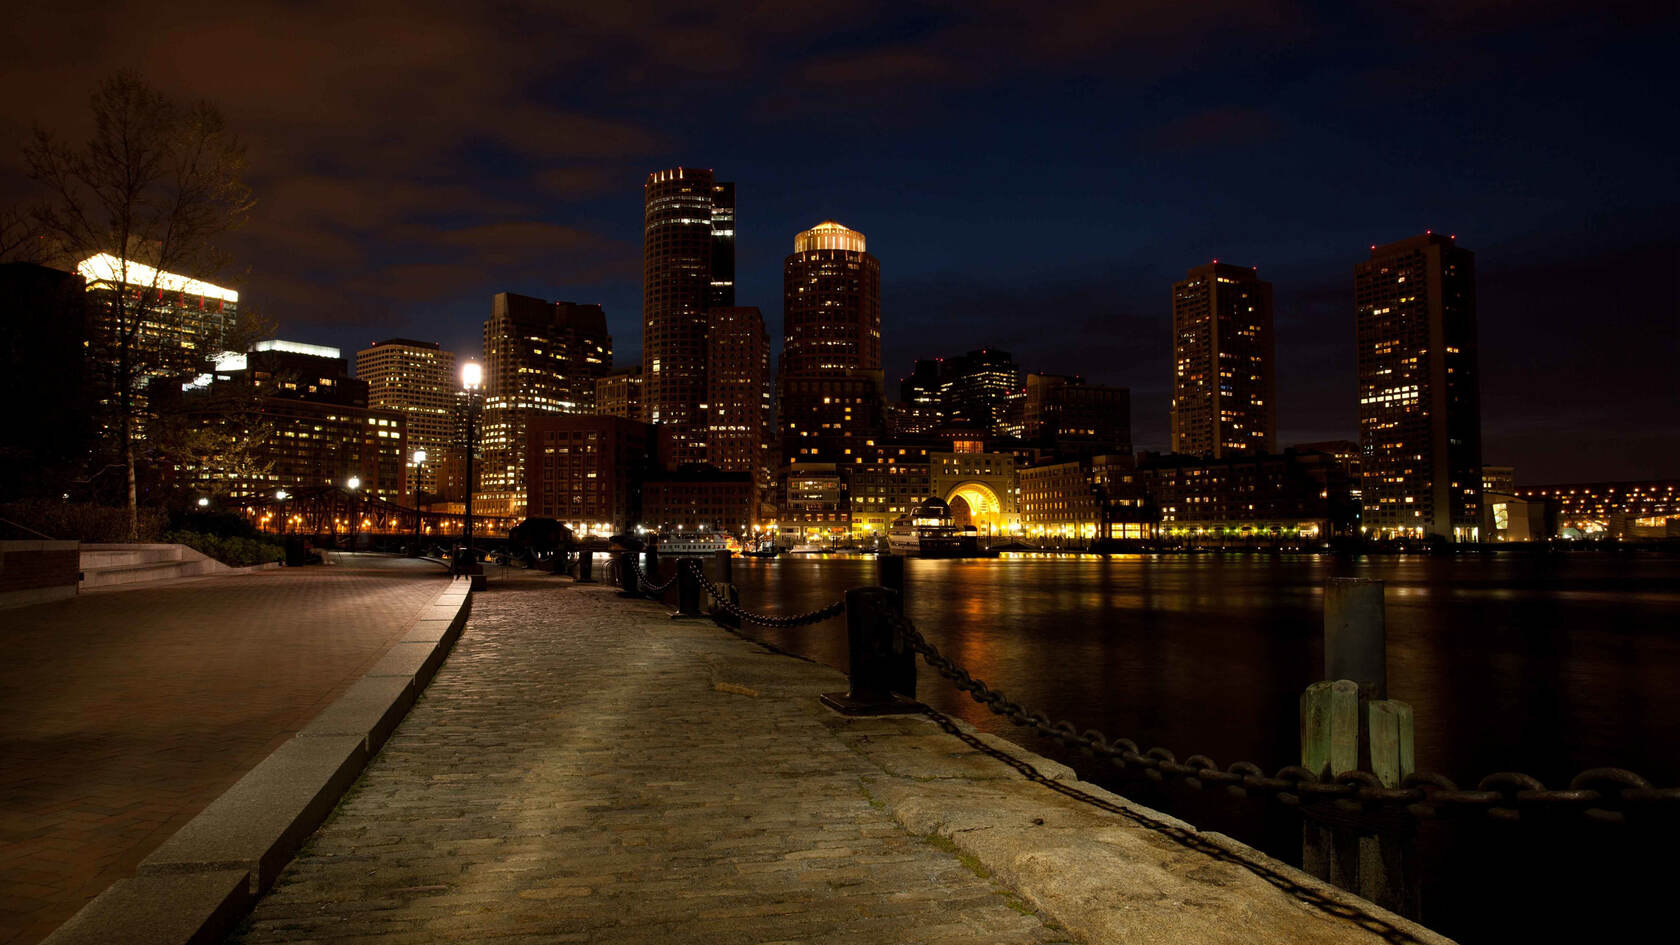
(829, 235)
(297, 347)
(108, 269)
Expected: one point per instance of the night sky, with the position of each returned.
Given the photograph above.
(1032, 176)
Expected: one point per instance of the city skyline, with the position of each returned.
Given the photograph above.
(984, 196)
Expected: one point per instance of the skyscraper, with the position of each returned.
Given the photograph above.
(975, 388)
(688, 265)
(829, 379)
(1224, 382)
(737, 406)
(417, 380)
(1420, 427)
(538, 357)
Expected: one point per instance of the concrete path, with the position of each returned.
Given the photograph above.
(128, 710)
(585, 769)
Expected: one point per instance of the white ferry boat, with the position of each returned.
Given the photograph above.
(693, 543)
(930, 532)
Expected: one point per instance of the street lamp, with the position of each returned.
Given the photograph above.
(351, 485)
(419, 457)
(203, 502)
(472, 377)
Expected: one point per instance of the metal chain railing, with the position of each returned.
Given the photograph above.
(642, 578)
(1600, 794)
(1606, 795)
(721, 599)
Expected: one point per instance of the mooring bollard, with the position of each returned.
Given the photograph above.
(586, 567)
(1347, 725)
(890, 568)
(650, 569)
(688, 590)
(627, 575)
(871, 647)
(725, 584)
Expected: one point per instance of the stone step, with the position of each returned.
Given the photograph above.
(109, 565)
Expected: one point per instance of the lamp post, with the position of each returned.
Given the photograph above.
(472, 377)
(350, 487)
(419, 457)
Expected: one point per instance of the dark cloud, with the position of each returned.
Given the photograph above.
(1033, 177)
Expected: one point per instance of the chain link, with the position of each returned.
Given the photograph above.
(1605, 795)
(764, 620)
(647, 585)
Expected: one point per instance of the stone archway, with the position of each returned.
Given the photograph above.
(975, 504)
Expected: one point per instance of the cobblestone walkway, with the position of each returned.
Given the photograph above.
(127, 711)
(577, 772)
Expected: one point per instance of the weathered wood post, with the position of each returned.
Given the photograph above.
(586, 566)
(1348, 724)
(650, 570)
(627, 586)
(869, 649)
(891, 571)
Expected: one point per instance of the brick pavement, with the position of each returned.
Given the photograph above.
(127, 711)
(579, 771)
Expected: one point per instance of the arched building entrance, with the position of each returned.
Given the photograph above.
(974, 503)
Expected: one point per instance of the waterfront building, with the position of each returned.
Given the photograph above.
(539, 357)
(1224, 383)
(287, 416)
(587, 470)
(815, 506)
(886, 480)
(1346, 453)
(737, 409)
(417, 380)
(829, 378)
(1636, 509)
(980, 487)
(688, 266)
(619, 393)
(1507, 517)
(171, 324)
(1074, 417)
(1090, 498)
(700, 498)
(1260, 497)
(1420, 426)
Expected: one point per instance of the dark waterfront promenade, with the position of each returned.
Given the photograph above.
(127, 711)
(584, 768)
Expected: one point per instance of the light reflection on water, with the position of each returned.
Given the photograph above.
(1547, 665)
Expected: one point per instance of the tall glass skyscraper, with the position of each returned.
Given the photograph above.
(688, 266)
(1420, 421)
(1224, 383)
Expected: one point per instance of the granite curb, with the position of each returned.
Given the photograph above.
(201, 881)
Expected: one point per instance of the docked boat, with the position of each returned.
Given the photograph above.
(931, 532)
(766, 550)
(695, 543)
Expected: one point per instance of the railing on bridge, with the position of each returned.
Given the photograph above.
(1359, 823)
(333, 511)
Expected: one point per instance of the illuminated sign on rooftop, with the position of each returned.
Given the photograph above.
(108, 269)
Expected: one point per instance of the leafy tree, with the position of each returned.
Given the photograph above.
(157, 186)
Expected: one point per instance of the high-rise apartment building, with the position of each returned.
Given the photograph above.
(737, 406)
(539, 357)
(829, 379)
(619, 393)
(1420, 426)
(688, 266)
(975, 389)
(417, 380)
(1224, 382)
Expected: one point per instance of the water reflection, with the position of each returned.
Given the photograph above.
(1546, 665)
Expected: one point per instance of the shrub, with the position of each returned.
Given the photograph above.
(233, 551)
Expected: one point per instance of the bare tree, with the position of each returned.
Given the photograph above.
(20, 236)
(156, 186)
